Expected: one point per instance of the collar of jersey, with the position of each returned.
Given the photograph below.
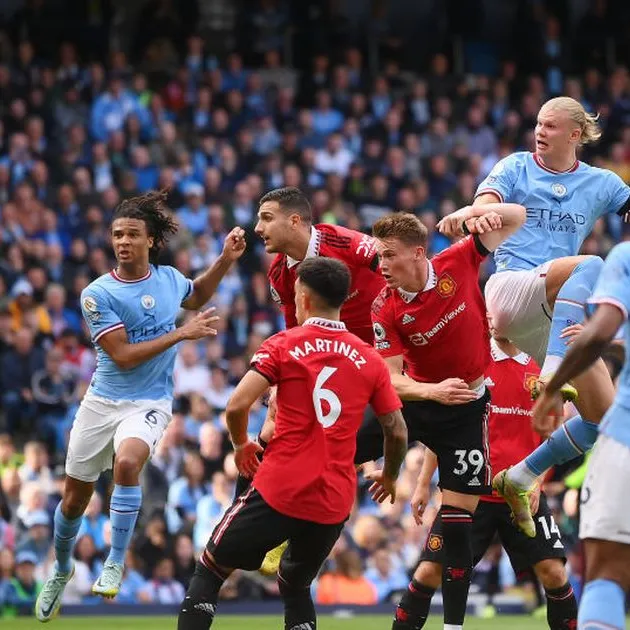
(311, 250)
(499, 355)
(431, 283)
(539, 163)
(325, 323)
(117, 277)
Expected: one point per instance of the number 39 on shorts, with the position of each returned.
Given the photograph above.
(466, 459)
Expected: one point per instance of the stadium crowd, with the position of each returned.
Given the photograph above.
(77, 136)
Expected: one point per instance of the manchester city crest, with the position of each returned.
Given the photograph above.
(559, 190)
(148, 301)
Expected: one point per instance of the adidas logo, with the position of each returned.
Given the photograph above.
(558, 545)
(206, 607)
(407, 319)
(474, 482)
(489, 382)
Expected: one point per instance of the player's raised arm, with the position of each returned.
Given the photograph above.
(493, 222)
(206, 284)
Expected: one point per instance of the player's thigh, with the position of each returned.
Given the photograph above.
(309, 545)
(596, 392)
(248, 530)
(517, 303)
(604, 498)
(607, 560)
(144, 420)
(459, 438)
(91, 443)
(558, 273)
(369, 439)
(525, 552)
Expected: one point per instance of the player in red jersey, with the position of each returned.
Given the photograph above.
(430, 321)
(509, 377)
(304, 489)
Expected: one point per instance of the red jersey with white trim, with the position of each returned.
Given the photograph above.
(358, 251)
(442, 331)
(510, 423)
(326, 377)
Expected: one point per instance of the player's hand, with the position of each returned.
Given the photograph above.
(452, 391)
(201, 325)
(570, 333)
(451, 224)
(382, 486)
(534, 499)
(234, 245)
(547, 413)
(419, 502)
(489, 222)
(246, 458)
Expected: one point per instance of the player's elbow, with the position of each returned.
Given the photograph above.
(394, 427)
(123, 361)
(236, 407)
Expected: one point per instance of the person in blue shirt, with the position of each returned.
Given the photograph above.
(541, 283)
(131, 315)
(605, 518)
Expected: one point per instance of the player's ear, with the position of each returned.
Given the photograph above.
(420, 253)
(150, 241)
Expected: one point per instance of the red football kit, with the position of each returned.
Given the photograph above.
(510, 430)
(441, 331)
(326, 377)
(355, 249)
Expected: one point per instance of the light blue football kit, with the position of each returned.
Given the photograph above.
(121, 404)
(604, 513)
(562, 209)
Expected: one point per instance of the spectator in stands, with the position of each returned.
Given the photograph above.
(185, 494)
(346, 585)
(184, 559)
(22, 589)
(94, 521)
(162, 588)
(387, 577)
(35, 468)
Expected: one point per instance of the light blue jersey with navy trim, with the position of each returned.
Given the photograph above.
(146, 308)
(613, 287)
(561, 207)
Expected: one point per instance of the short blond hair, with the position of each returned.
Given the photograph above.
(588, 123)
(404, 226)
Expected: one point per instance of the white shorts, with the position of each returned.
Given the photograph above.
(102, 424)
(517, 302)
(604, 502)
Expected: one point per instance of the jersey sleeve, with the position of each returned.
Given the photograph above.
(618, 195)
(363, 251)
(501, 179)
(98, 313)
(266, 360)
(387, 340)
(184, 285)
(384, 397)
(613, 285)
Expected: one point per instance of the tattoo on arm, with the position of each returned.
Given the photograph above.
(395, 442)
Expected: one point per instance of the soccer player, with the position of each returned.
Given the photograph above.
(131, 314)
(285, 224)
(541, 283)
(511, 437)
(431, 321)
(605, 518)
(305, 486)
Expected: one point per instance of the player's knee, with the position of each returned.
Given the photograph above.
(551, 573)
(127, 469)
(589, 269)
(292, 593)
(429, 574)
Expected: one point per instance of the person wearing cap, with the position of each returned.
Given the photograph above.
(36, 540)
(22, 303)
(22, 589)
(194, 214)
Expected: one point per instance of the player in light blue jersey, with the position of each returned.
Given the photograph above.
(542, 284)
(131, 314)
(605, 517)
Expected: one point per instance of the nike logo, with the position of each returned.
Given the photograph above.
(46, 611)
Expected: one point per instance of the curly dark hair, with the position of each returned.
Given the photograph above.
(152, 209)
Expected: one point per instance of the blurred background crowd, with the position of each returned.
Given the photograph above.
(369, 106)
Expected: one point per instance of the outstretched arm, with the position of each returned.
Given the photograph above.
(206, 284)
(493, 222)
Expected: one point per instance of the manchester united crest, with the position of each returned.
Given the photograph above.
(445, 286)
(434, 542)
(529, 382)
